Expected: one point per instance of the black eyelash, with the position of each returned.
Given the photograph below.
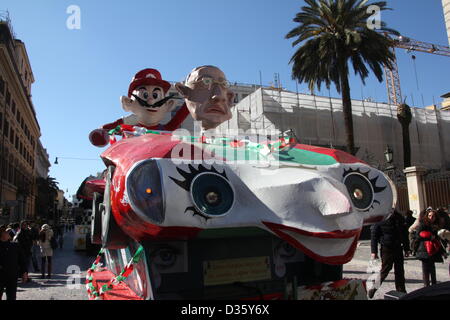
(186, 184)
(372, 182)
(189, 176)
(196, 213)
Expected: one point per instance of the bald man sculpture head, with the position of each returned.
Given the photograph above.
(208, 96)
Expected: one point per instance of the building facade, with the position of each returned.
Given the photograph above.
(42, 161)
(19, 129)
(319, 121)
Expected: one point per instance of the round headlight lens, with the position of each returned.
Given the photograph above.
(360, 190)
(212, 194)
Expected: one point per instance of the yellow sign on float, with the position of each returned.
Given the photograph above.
(232, 270)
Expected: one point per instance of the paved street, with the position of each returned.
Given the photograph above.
(57, 288)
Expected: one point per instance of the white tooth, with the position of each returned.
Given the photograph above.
(325, 247)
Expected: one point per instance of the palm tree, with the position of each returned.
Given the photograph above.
(47, 193)
(332, 34)
(404, 116)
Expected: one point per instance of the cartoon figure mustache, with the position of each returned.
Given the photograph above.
(158, 104)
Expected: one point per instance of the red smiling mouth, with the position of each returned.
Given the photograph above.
(318, 244)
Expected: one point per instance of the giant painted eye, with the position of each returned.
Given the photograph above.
(144, 190)
(361, 189)
(211, 192)
(165, 257)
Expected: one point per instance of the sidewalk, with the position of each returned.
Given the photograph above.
(65, 261)
(359, 266)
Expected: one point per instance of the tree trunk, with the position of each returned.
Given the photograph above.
(404, 116)
(406, 145)
(347, 108)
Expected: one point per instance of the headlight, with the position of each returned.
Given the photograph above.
(145, 192)
(360, 190)
(212, 194)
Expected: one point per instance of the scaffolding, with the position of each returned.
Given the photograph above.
(319, 120)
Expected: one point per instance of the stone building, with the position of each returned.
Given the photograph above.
(19, 128)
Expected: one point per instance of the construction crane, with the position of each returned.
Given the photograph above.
(392, 76)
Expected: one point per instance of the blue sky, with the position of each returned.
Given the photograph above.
(80, 74)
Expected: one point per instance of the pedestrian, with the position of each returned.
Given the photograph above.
(413, 239)
(61, 236)
(409, 221)
(45, 236)
(429, 249)
(25, 240)
(392, 235)
(444, 234)
(35, 251)
(9, 264)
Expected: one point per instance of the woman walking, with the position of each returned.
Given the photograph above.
(429, 250)
(45, 235)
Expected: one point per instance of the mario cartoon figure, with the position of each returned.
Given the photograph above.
(148, 104)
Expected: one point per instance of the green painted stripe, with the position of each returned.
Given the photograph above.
(293, 155)
(307, 157)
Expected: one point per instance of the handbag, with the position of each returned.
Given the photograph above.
(432, 246)
(53, 243)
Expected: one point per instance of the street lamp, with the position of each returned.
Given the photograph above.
(389, 154)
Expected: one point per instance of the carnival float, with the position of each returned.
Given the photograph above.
(211, 216)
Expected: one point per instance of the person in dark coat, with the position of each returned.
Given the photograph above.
(392, 234)
(427, 231)
(9, 264)
(25, 240)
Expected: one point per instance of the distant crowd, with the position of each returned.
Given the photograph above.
(23, 245)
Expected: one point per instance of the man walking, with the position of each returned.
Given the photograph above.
(9, 264)
(392, 234)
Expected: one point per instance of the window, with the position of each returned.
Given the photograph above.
(5, 169)
(236, 98)
(16, 144)
(1, 121)
(11, 173)
(11, 135)
(8, 97)
(2, 86)
(13, 107)
(6, 127)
